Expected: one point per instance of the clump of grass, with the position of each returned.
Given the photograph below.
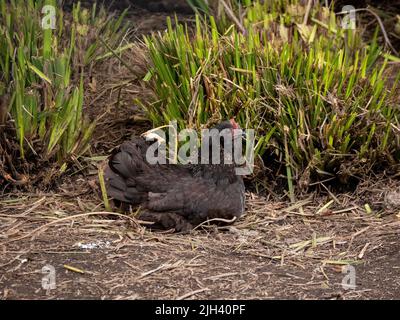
(90, 27)
(42, 70)
(314, 92)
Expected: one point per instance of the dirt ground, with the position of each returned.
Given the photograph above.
(277, 250)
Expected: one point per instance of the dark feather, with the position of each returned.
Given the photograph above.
(193, 192)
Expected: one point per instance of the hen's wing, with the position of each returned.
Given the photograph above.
(199, 199)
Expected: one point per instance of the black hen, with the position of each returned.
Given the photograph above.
(175, 195)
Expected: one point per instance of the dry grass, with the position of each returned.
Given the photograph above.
(276, 250)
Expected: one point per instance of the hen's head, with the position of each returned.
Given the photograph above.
(220, 147)
(228, 124)
(222, 141)
(233, 126)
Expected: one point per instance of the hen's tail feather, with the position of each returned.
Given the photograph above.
(124, 164)
(115, 185)
(128, 159)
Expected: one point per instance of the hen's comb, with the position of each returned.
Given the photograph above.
(235, 125)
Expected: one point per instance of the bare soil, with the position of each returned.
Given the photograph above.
(277, 250)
